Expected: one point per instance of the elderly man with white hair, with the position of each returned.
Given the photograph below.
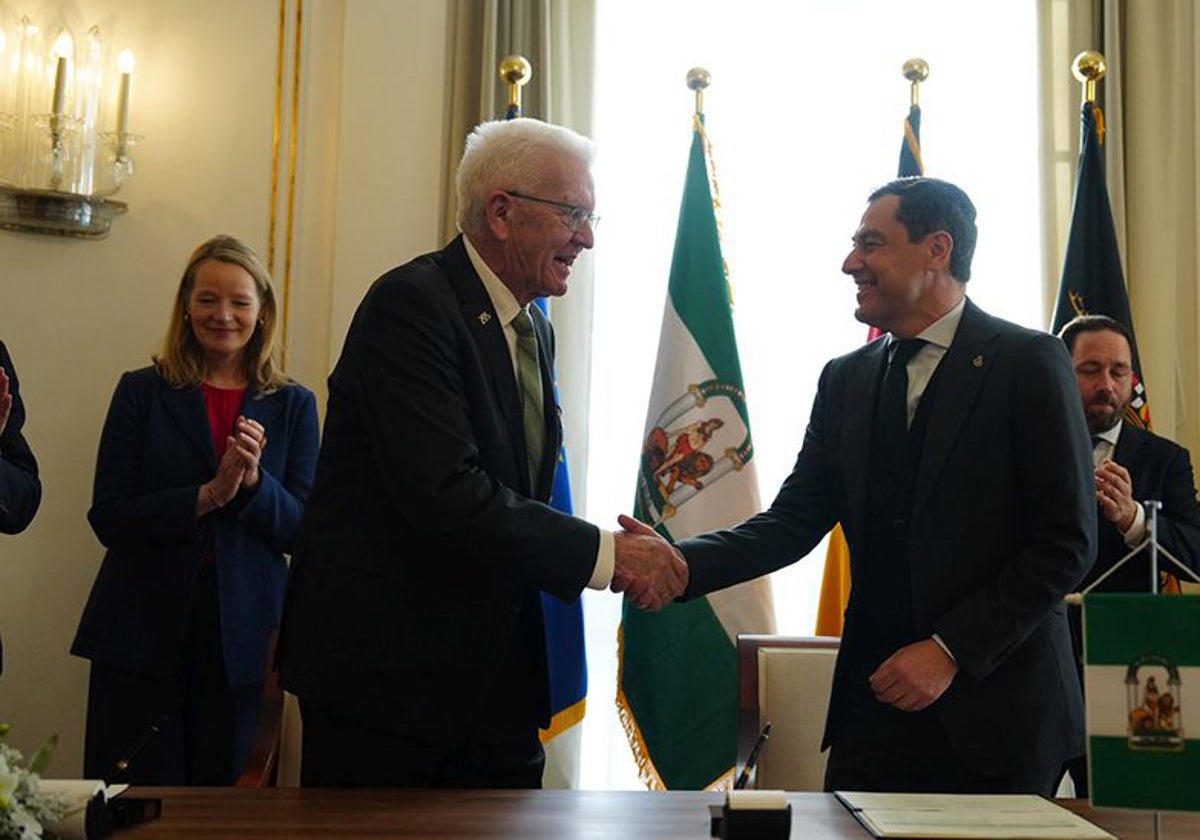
(413, 627)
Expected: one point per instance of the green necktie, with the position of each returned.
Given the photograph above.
(529, 379)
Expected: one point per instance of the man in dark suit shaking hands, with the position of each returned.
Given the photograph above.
(413, 628)
(1132, 465)
(962, 479)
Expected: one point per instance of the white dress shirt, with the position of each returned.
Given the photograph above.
(937, 337)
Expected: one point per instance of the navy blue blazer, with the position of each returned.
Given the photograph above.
(20, 489)
(155, 452)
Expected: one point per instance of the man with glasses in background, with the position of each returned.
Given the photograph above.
(412, 631)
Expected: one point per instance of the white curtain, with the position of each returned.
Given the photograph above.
(1150, 106)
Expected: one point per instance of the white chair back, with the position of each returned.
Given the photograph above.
(785, 680)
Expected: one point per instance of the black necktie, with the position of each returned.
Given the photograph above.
(891, 413)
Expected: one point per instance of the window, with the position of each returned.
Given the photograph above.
(805, 115)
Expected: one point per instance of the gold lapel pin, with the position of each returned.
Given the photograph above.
(484, 317)
(977, 361)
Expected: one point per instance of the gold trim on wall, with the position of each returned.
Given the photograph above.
(275, 139)
(284, 283)
(293, 145)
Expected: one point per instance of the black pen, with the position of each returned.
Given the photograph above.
(753, 759)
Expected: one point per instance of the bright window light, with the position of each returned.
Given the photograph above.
(805, 115)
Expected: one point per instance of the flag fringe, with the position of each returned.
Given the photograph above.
(647, 772)
(710, 168)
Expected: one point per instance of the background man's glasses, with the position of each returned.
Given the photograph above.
(572, 215)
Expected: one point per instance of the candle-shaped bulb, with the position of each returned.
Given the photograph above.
(63, 47)
(125, 65)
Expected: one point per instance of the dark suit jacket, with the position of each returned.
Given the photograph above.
(1001, 527)
(414, 600)
(20, 489)
(155, 452)
(1162, 470)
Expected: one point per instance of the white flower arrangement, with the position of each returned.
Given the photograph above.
(24, 809)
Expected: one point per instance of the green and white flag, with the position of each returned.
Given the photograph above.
(677, 684)
(1142, 671)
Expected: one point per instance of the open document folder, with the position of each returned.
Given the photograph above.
(936, 815)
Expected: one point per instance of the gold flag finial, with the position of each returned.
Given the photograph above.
(515, 71)
(916, 70)
(1089, 67)
(698, 79)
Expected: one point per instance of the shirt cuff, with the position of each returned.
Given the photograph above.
(606, 554)
(1137, 531)
(942, 645)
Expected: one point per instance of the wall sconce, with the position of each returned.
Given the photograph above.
(58, 169)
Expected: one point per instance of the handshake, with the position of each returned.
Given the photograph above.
(648, 569)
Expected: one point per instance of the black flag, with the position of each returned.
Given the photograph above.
(1092, 280)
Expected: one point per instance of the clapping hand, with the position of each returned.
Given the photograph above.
(238, 467)
(231, 471)
(250, 440)
(1114, 493)
(648, 569)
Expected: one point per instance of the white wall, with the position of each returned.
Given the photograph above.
(390, 149)
(75, 314)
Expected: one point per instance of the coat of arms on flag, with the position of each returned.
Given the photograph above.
(678, 461)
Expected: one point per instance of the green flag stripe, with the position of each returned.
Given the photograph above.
(698, 288)
(1121, 628)
(1126, 778)
(680, 681)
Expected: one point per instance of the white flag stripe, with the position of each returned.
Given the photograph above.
(728, 499)
(1110, 701)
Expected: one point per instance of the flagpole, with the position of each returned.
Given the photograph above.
(566, 654)
(697, 80)
(916, 70)
(1089, 67)
(515, 71)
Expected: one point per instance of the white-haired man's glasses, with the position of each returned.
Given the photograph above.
(572, 215)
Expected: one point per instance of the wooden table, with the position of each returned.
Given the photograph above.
(237, 813)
